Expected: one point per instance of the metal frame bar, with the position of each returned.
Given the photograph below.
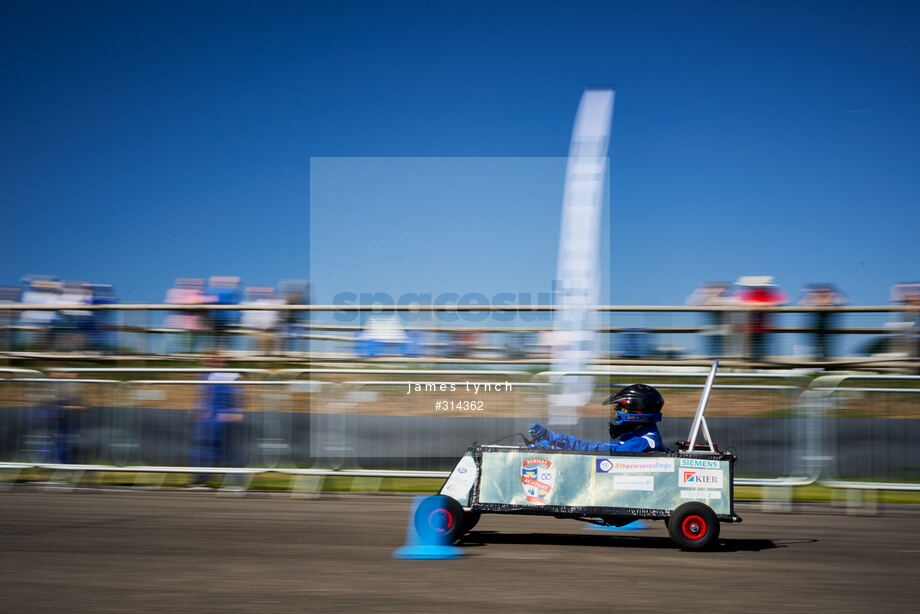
(698, 419)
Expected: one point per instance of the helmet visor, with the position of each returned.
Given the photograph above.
(624, 417)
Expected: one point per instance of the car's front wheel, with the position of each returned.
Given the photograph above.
(439, 520)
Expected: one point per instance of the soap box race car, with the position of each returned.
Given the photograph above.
(691, 489)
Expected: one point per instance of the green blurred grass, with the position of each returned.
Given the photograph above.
(816, 493)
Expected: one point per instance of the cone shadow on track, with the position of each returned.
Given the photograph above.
(487, 538)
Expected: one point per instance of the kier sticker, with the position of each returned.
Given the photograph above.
(537, 477)
(700, 478)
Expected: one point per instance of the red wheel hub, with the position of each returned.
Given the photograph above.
(693, 527)
(441, 520)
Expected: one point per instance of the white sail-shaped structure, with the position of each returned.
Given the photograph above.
(578, 274)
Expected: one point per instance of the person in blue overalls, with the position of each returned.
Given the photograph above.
(634, 414)
(217, 434)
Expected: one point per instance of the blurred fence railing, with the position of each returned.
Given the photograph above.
(787, 429)
(863, 452)
(134, 329)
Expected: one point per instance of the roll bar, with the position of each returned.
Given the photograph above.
(698, 419)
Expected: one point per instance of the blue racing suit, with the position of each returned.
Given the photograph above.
(643, 439)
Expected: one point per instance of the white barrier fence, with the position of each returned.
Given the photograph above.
(788, 430)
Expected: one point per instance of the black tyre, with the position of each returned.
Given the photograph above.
(439, 520)
(694, 526)
(469, 520)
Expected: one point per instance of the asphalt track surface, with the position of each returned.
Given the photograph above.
(137, 551)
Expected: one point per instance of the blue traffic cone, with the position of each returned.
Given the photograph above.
(424, 546)
(635, 525)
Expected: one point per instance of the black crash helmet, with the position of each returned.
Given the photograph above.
(635, 404)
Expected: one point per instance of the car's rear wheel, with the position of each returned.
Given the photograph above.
(469, 520)
(439, 520)
(694, 526)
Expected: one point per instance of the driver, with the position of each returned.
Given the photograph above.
(634, 412)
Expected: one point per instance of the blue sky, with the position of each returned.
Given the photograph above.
(140, 142)
(457, 225)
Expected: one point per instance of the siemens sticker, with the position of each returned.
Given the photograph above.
(699, 463)
(618, 465)
(699, 478)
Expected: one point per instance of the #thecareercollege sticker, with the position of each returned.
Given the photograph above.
(537, 478)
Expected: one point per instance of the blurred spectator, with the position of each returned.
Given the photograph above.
(383, 335)
(9, 295)
(904, 323)
(74, 324)
(547, 340)
(417, 345)
(187, 291)
(466, 343)
(217, 440)
(223, 290)
(822, 295)
(515, 347)
(714, 294)
(40, 290)
(101, 336)
(294, 292)
(61, 420)
(635, 343)
(913, 301)
(264, 322)
(755, 293)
